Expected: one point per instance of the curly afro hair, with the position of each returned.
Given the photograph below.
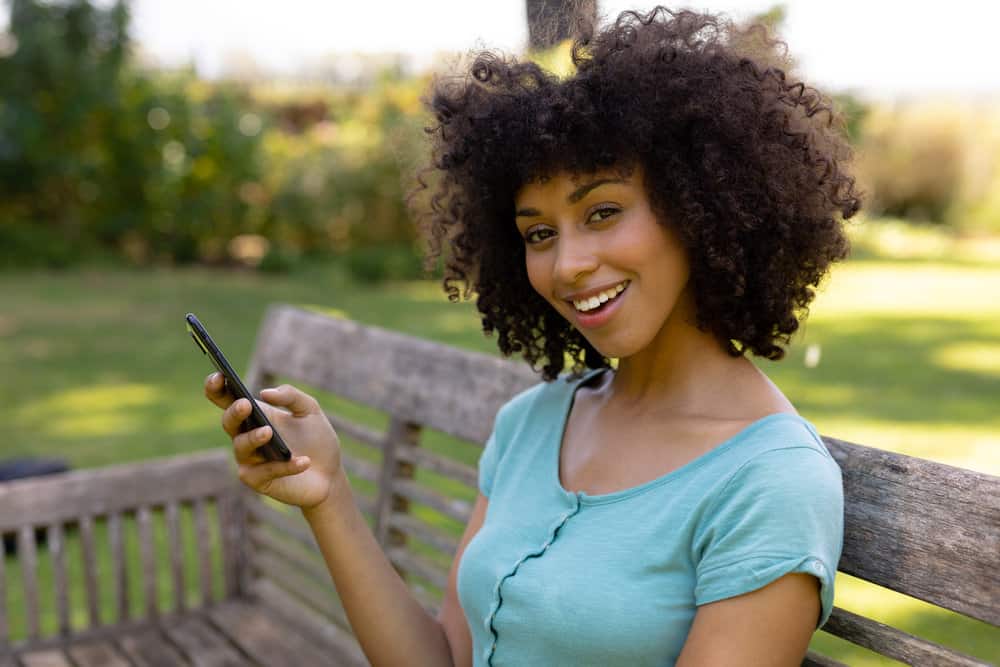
(746, 163)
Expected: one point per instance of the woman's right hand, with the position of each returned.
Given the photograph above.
(309, 477)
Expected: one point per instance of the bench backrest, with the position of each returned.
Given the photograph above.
(928, 530)
(118, 544)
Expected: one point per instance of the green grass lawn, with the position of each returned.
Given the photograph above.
(905, 355)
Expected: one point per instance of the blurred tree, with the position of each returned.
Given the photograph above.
(95, 154)
(551, 21)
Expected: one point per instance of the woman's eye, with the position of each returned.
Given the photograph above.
(534, 236)
(603, 213)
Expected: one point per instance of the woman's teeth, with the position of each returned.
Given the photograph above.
(593, 302)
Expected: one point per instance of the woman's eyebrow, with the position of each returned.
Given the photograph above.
(576, 196)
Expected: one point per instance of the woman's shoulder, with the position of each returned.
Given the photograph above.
(542, 398)
(783, 451)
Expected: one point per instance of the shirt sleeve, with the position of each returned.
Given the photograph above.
(781, 512)
(493, 450)
(488, 464)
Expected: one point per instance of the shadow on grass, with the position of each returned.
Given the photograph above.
(888, 369)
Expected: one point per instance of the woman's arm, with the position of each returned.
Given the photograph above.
(391, 626)
(768, 627)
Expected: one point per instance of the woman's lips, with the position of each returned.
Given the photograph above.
(600, 315)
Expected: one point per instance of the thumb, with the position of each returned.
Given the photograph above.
(297, 402)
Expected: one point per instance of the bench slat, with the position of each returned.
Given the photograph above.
(360, 468)
(100, 491)
(412, 563)
(119, 573)
(204, 547)
(894, 643)
(176, 549)
(144, 523)
(255, 633)
(51, 657)
(27, 553)
(289, 524)
(347, 652)
(96, 653)
(925, 529)
(347, 428)
(424, 532)
(401, 435)
(308, 566)
(457, 509)
(203, 646)
(147, 647)
(90, 569)
(423, 382)
(814, 659)
(56, 542)
(322, 599)
(230, 513)
(450, 468)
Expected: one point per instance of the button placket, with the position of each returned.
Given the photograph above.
(498, 600)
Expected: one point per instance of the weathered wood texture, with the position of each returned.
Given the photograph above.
(101, 491)
(103, 511)
(926, 529)
(414, 380)
(894, 643)
(230, 634)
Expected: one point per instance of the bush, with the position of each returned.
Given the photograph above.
(378, 263)
(98, 153)
(933, 162)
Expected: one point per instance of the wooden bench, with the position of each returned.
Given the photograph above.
(195, 569)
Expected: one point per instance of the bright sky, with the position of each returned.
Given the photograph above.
(881, 47)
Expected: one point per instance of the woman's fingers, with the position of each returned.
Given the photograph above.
(259, 476)
(245, 444)
(234, 415)
(217, 392)
(286, 396)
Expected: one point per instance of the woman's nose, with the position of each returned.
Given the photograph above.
(574, 258)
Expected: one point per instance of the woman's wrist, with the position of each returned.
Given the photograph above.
(340, 498)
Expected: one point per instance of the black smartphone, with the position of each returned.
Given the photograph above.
(273, 450)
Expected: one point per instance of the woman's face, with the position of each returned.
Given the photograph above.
(593, 239)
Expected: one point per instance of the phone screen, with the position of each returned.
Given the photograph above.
(273, 450)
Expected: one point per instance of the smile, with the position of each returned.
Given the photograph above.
(596, 302)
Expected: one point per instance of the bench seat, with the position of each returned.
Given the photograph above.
(233, 633)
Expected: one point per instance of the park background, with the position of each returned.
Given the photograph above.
(161, 158)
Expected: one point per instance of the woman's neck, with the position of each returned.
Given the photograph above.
(683, 371)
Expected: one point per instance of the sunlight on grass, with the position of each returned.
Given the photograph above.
(918, 290)
(892, 238)
(90, 411)
(980, 357)
(956, 445)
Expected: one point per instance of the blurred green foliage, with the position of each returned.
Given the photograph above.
(933, 162)
(100, 158)
(96, 155)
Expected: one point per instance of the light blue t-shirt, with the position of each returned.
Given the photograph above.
(557, 578)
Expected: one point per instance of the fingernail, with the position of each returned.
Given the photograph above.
(302, 460)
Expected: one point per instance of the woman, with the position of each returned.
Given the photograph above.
(668, 206)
